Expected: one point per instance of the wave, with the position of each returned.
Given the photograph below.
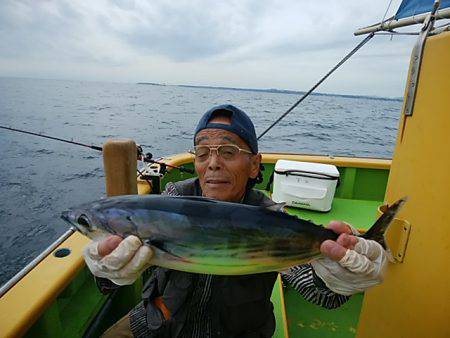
(44, 151)
(97, 172)
(90, 157)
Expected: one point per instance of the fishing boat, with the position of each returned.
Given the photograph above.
(56, 296)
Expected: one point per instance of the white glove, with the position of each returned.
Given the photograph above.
(360, 268)
(123, 265)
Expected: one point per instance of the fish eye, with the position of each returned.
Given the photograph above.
(84, 221)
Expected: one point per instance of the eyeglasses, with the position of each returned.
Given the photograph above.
(226, 151)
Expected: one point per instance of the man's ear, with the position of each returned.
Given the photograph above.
(255, 164)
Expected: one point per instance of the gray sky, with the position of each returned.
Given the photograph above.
(244, 43)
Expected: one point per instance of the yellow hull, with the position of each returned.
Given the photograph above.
(414, 300)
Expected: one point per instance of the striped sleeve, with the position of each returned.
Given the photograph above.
(170, 190)
(303, 279)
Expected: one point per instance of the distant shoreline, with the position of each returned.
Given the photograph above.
(270, 90)
(273, 90)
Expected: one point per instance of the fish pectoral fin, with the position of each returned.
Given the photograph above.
(157, 246)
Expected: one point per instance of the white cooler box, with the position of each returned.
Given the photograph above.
(304, 184)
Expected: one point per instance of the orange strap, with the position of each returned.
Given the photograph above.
(158, 301)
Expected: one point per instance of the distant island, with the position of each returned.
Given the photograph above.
(276, 91)
(151, 84)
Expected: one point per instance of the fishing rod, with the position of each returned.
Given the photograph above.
(53, 138)
(145, 158)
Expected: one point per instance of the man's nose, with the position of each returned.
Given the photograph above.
(215, 162)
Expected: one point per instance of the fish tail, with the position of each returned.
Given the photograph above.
(378, 231)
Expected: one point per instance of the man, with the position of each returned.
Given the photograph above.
(180, 304)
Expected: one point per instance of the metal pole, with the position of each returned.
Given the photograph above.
(389, 25)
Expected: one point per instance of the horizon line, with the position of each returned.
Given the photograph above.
(264, 90)
(272, 90)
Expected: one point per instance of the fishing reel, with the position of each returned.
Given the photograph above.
(153, 167)
(149, 167)
(153, 170)
(158, 166)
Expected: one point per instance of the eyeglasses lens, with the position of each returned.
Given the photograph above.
(226, 152)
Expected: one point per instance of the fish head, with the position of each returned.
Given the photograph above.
(85, 221)
(106, 216)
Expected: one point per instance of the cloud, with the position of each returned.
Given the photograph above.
(256, 43)
(187, 30)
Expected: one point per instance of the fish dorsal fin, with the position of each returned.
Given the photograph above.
(276, 207)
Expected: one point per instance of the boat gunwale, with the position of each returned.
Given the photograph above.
(272, 157)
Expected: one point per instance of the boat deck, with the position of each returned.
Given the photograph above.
(306, 320)
(360, 213)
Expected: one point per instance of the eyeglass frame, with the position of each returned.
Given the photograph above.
(216, 148)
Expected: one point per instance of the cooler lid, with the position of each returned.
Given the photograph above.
(319, 168)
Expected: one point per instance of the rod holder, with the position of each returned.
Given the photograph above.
(397, 236)
(120, 165)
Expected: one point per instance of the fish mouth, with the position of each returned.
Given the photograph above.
(65, 215)
(68, 216)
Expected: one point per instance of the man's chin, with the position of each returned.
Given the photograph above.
(217, 192)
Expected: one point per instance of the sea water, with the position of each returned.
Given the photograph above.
(39, 178)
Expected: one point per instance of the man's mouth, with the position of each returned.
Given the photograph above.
(216, 181)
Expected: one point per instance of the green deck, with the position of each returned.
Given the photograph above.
(307, 320)
(360, 213)
(278, 310)
(357, 198)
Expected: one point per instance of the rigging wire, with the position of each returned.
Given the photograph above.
(353, 51)
(384, 16)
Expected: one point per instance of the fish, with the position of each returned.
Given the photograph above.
(202, 235)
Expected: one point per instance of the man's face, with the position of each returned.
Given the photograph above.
(221, 179)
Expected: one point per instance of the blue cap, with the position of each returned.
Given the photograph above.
(241, 124)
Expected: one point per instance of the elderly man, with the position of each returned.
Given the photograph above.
(181, 304)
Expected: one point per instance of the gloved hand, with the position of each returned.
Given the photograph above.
(352, 264)
(120, 261)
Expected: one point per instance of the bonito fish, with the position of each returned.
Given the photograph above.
(201, 235)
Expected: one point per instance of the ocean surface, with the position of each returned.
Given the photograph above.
(39, 178)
